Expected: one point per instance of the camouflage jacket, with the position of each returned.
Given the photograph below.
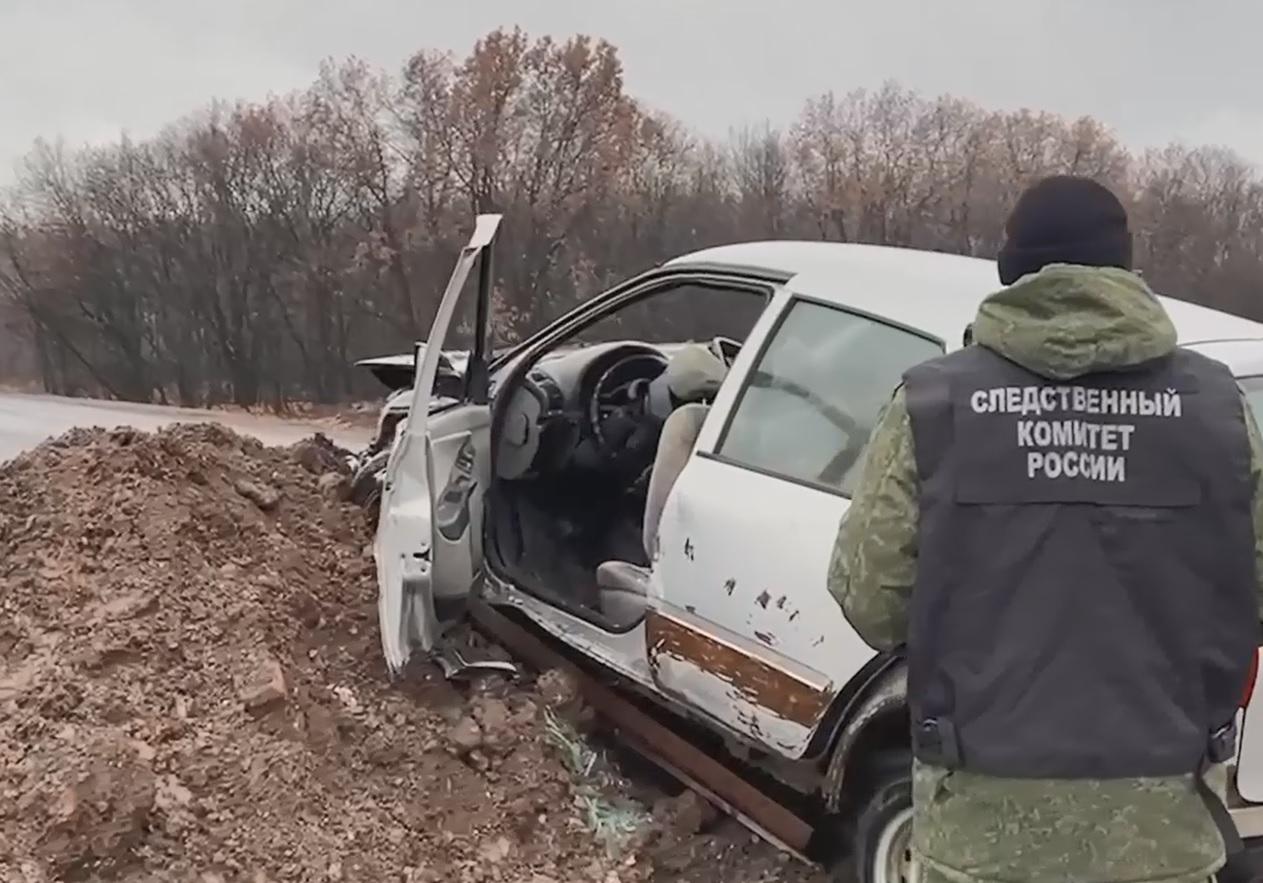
(970, 827)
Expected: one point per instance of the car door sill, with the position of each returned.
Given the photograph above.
(505, 589)
(1249, 820)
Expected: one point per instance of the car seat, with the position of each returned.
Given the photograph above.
(623, 586)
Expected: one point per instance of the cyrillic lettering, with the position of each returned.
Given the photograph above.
(1030, 400)
(1024, 439)
(1080, 399)
(1094, 401)
(1093, 431)
(1098, 468)
(1171, 406)
(1034, 463)
(1043, 433)
(1109, 437)
(1148, 406)
(1109, 401)
(1125, 430)
(1064, 393)
(1072, 460)
(1052, 464)
(1048, 398)
(1117, 468)
(996, 397)
(978, 401)
(1128, 402)
(1012, 399)
(1062, 433)
(1076, 464)
(1080, 434)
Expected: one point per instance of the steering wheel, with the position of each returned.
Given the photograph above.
(615, 393)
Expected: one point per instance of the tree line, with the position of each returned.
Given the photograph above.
(249, 253)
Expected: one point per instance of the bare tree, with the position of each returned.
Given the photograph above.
(251, 251)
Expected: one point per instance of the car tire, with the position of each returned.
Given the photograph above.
(882, 846)
(366, 484)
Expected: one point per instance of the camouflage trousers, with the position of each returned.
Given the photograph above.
(980, 829)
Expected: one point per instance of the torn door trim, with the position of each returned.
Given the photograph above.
(793, 694)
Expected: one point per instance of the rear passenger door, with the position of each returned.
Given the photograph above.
(744, 628)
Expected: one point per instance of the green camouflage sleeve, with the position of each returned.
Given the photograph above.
(875, 555)
(1256, 473)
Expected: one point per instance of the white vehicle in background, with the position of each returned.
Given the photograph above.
(698, 584)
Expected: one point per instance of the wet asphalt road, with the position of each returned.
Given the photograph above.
(27, 420)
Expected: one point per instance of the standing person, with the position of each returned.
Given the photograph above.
(1061, 525)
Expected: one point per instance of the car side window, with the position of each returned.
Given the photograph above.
(682, 313)
(810, 403)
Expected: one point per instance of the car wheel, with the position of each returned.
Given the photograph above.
(882, 848)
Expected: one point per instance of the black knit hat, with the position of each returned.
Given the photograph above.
(1064, 220)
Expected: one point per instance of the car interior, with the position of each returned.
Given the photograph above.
(591, 437)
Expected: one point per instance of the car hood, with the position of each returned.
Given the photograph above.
(397, 371)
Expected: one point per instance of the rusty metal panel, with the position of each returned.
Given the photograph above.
(763, 684)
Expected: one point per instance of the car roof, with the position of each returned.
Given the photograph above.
(1244, 357)
(930, 291)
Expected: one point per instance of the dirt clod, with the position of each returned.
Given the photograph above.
(191, 689)
(466, 734)
(266, 687)
(557, 688)
(686, 814)
(334, 486)
(264, 497)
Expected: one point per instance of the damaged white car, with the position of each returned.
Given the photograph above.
(653, 483)
(396, 373)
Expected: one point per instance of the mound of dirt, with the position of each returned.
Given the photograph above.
(191, 690)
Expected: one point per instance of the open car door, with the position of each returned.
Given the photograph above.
(428, 547)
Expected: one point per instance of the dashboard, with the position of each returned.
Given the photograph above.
(553, 419)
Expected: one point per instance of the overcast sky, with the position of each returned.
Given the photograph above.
(1154, 70)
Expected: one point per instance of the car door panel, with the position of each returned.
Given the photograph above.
(460, 465)
(746, 629)
(428, 546)
(748, 530)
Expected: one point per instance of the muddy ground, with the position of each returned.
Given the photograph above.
(191, 689)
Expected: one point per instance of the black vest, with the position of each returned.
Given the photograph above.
(1085, 605)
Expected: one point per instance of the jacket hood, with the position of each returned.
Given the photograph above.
(1067, 321)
